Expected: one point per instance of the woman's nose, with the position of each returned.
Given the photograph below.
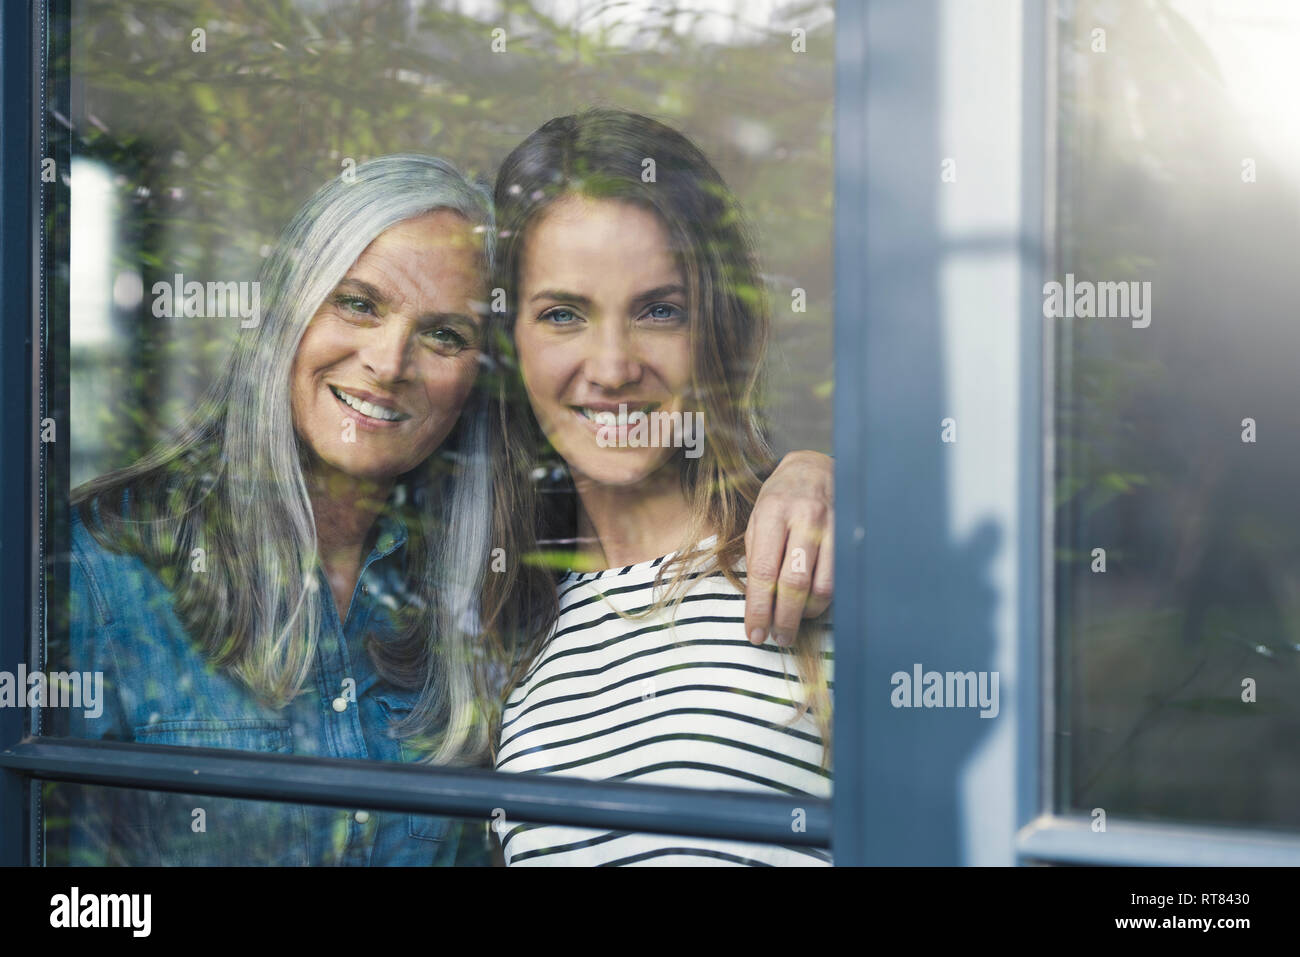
(387, 349)
(613, 361)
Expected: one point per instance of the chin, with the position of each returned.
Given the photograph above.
(368, 469)
(617, 470)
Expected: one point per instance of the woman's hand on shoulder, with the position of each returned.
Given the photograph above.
(789, 548)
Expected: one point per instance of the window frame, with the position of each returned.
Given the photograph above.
(27, 758)
(20, 33)
(885, 98)
(871, 81)
(1046, 834)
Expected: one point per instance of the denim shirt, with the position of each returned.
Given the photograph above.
(160, 689)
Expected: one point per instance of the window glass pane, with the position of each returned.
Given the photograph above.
(1178, 572)
(301, 499)
(93, 826)
(552, 845)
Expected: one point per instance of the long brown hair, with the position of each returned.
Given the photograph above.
(614, 154)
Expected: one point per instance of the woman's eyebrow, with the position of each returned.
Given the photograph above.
(363, 287)
(458, 318)
(660, 292)
(560, 295)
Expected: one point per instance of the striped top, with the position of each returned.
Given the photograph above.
(686, 702)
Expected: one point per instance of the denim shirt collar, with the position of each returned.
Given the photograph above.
(392, 536)
(380, 574)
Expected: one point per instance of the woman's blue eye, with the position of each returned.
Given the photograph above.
(664, 312)
(560, 316)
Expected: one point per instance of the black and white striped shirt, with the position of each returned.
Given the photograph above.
(670, 699)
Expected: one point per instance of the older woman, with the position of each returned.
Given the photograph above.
(295, 573)
(305, 569)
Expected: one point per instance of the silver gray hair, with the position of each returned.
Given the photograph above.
(314, 253)
(233, 480)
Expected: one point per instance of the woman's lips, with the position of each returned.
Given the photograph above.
(367, 422)
(616, 432)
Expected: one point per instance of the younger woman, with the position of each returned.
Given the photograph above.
(639, 328)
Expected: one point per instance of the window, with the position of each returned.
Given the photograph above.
(1175, 562)
(1060, 389)
(992, 449)
(172, 151)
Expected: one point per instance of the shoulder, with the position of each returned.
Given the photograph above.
(87, 551)
(91, 569)
(113, 581)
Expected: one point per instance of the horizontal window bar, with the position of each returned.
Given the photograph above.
(427, 789)
(1071, 840)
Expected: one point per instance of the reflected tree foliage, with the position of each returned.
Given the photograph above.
(214, 138)
(1201, 589)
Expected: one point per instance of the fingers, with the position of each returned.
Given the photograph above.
(823, 578)
(793, 584)
(764, 552)
(788, 549)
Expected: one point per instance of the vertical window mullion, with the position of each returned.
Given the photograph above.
(849, 793)
(939, 420)
(1034, 733)
(18, 172)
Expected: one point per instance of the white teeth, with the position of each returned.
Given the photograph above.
(619, 418)
(368, 408)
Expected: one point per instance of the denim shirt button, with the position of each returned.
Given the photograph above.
(361, 817)
(340, 704)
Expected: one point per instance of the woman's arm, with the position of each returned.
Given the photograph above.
(789, 548)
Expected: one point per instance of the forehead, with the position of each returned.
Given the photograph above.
(439, 247)
(598, 242)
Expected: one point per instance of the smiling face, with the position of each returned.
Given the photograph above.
(389, 358)
(602, 323)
